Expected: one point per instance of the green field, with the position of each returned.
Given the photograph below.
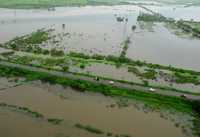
(40, 3)
(52, 3)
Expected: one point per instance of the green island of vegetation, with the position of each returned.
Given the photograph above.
(40, 3)
(55, 3)
(188, 27)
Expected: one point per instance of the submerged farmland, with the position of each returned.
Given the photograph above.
(125, 70)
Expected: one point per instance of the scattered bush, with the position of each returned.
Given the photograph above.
(55, 52)
(89, 129)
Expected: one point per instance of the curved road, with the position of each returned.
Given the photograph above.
(102, 81)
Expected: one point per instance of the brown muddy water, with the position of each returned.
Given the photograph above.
(99, 32)
(85, 108)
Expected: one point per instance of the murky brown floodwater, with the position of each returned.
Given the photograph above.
(99, 32)
(87, 109)
(162, 47)
(110, 71)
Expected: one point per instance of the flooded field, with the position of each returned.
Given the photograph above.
(178, 11)
(163, 47)
(99, 32)
(147, 71)
(96, 110)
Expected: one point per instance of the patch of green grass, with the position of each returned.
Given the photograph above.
(55, 52)
(82, 66)
(149, 74)
(190, 27)
(151, 17)
(29, 43)
(186, 78)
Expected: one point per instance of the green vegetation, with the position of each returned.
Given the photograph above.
(32, 43)
(133, 27)
(150, 74)
(40, 3)
(120, 19)
(125, 48)
(122, 136)
(153, 100)
(89, 129)
(55, 52)
(65, 63)
(31, 113)
(22, 109)
(188, 27)
(60, 62)
(54, 121)
(82, 66)
(97, 131)
(73, 59)
(184, 78)
(122, 103)
(53, 3)
(151, 17)
(29, 43)
(96, 87)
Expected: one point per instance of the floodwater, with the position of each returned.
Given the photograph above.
(121, 73)
(162, 47)
(110, 71)
(86, 28)
(75, 107)
(178, 12)
(99, 32)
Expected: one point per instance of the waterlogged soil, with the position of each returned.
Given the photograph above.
(73, 107)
